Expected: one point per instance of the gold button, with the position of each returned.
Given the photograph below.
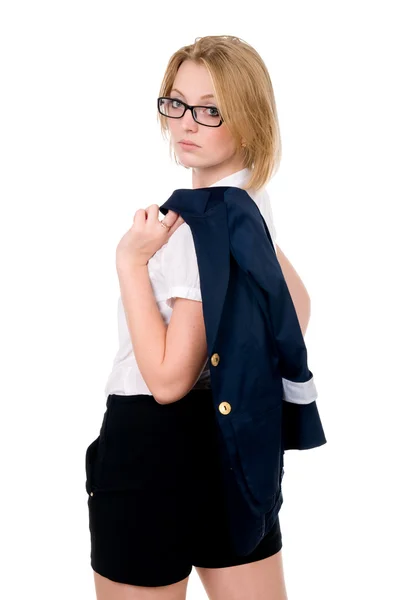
(91, 493)
(224, 408)
(215, 359)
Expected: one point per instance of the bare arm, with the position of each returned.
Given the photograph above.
(170, 357)
(299, 294)
(186, 347)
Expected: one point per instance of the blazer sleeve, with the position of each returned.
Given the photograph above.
(253, 249)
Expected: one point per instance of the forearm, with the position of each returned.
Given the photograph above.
(145, 324)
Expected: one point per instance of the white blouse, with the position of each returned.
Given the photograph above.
(173, 272)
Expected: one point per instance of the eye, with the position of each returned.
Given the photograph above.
(214, 114)
(210, 111)
(176, 103)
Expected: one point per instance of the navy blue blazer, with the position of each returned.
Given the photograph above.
(263, 391)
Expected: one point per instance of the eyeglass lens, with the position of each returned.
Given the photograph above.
(208, 115)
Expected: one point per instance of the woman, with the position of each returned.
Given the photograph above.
(155, 496)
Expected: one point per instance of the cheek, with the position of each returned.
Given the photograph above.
(222, 142)
(172, 128)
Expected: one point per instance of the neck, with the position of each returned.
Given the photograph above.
(206, 176)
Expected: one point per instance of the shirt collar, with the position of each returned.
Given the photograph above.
(236, 179)
(195, 200)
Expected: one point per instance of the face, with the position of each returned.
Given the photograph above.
(215, 154)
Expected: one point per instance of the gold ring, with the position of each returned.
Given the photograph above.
(164, 225)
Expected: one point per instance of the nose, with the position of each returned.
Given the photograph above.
(188, 120)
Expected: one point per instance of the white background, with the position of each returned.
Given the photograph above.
(81, 151)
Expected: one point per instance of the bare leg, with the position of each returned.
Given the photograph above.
(259, 580)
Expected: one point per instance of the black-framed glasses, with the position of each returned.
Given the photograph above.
(175, 109)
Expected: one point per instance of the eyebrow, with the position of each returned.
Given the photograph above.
(202, 97)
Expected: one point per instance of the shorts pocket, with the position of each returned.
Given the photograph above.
(140, 447)
(90, 457)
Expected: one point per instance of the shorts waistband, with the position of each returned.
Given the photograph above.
(129, 398)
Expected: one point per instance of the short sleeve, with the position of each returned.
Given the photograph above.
(180, 267)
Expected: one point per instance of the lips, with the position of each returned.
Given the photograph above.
(189, 144)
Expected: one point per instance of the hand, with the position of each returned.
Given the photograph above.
(146, 236)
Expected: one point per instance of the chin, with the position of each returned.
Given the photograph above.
(188, 161)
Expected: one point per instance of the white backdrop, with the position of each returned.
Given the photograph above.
(81, 151)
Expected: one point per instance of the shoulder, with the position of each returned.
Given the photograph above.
(178, 256)
(182, 235)
(179, 266)
(179, 240)
(261, 198)
(179, 245)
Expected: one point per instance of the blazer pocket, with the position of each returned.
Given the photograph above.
(258, 441)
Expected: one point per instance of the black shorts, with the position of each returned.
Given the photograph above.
(155, 495)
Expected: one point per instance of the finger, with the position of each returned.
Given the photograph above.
(139, 216)
(151, 212)
(175, 225)
(171, 218)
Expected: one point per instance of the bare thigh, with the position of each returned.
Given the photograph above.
(260, 580)
(106, 589)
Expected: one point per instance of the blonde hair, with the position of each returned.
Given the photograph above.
(245, 99)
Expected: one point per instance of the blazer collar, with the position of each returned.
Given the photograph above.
(199, 200)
